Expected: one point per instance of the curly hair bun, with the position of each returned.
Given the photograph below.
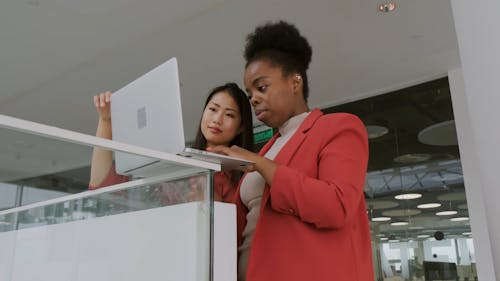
(280, 37)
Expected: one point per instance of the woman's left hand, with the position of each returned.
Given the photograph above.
(238, 152)
(261, 164)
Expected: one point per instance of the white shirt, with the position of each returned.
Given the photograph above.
(252, 188)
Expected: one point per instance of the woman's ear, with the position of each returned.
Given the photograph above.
(297, 81)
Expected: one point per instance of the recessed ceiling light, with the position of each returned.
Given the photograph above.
(442, 134)
(408, 196)
(423, 236)
(467, 233)
(446, 213)
(401, 213)
(386, 7)
(412, 158)
(394, 241)
(381, 219)
(399, 223)
(415, 227)
(459, 219)
(375, 131)
(384, 239)
(429, 205)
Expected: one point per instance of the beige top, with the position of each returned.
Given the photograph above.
(252, 188)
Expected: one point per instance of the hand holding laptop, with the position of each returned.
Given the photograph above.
(102, 105)
(139, 111)
(260, 164)
(102, 159)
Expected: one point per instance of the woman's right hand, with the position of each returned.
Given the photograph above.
(102, 159)
(102, 104)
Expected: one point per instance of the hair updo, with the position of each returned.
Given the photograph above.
(282, 45)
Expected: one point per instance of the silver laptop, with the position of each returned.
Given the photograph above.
(148, 113)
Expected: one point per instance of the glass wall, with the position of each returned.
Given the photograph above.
(157, 224)
(414, 190)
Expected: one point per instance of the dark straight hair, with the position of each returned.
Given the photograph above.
(245, 138)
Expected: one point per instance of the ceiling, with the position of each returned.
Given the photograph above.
(57, 54)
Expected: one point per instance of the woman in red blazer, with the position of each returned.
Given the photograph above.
(310, 221)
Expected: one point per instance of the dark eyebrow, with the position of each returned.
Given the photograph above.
(254, 82)
(258, 79)
(218, 105)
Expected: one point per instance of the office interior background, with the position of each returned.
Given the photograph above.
(388, 67)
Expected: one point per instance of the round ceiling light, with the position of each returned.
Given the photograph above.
(401, 213)
(415, 227)
(446, 213)
(459, 219)
(375, 131)
(412, 158)
(429, 206)
(408, 196)
(441, 134)
(399, 223)
(381, 219)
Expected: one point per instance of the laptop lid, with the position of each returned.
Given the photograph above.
(148, 113)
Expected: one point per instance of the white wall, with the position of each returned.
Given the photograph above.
(477, 26)
(168, 243)
(472, 177)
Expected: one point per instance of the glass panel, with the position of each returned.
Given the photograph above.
(152, 220)
(8, 197)
(32, 195)
(25, 156)
(134, 196)
(428, 236)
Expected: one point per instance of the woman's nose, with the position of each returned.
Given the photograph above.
(254, 100)
(217, 119)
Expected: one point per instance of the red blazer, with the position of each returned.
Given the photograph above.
(313, 223)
